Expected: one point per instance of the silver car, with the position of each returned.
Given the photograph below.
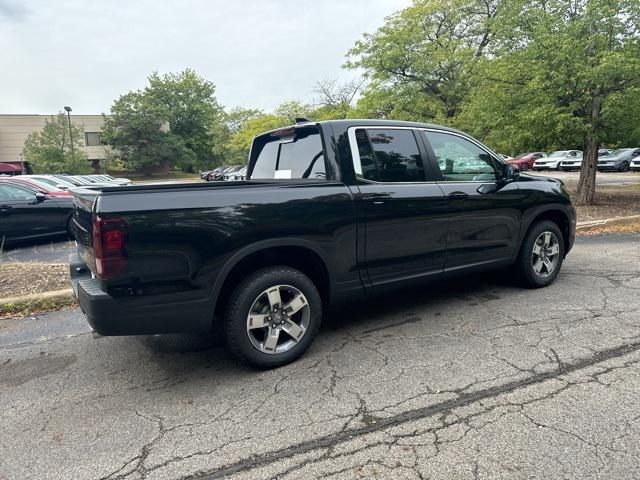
(620, 160)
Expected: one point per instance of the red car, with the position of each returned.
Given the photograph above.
(36, 185)
(524, 161)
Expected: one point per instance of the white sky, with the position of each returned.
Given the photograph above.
(258, 53)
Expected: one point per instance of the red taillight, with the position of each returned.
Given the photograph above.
(109, 240)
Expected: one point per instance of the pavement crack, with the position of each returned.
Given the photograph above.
(463, 399)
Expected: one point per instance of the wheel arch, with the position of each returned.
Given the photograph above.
(556, 215)
(300, 254)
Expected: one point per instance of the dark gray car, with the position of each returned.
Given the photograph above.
(619, 160)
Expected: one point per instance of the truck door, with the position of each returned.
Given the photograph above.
(484, 215)
(403, 211)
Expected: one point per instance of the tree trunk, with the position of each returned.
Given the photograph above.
(587, 182)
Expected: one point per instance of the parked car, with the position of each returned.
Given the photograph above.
(103, 178)
(619, 160)
(38, 185)
(524, 161)
(230, 173)
(26, 213)
(635, 164)
(553, 160)
(572, 161)
(240, 174)
(94, 180)
(51, 180)
(213, 175)
(258, 261)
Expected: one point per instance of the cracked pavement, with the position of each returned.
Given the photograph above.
(468, 379)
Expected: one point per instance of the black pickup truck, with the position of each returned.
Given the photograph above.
(330, 212)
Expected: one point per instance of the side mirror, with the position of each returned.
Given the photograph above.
(40, 197)
(508, 172)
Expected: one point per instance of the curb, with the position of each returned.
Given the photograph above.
(36, 301)
(607, 221)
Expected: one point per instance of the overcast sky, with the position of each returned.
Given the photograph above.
(258, 53)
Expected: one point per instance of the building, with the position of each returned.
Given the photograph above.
(14, 130)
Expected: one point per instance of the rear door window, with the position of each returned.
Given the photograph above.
(389, 155)
(293, 154)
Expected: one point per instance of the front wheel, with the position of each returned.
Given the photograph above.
(524, 167)
(272, 317)
(541, 255)
(624, 166)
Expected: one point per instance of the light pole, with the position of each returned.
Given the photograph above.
(68, 110)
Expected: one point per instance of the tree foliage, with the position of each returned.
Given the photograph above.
(168, 122)
(49, 150)
(518, 74)
(560, 73)
(421, 62)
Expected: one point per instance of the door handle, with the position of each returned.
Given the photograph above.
(378, 199)
(458, 195)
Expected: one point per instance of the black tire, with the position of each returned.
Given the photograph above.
(524, 266)
(624, 166)
(240, 304)
(524, 167)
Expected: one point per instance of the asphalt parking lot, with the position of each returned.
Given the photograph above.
(470, 380)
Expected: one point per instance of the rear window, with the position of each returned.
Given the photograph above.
(289, 155)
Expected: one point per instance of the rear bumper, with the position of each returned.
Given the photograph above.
(110, 316)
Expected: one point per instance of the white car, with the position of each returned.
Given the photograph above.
(554, 160)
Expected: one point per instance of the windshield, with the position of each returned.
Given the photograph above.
(51, 182)
(559, 153)
(620, 151)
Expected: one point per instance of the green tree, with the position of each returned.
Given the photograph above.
(168, 123)
(137, 130)
(560, 72)
(335, 100)
(421, 62)
(293, 109)
(240, 143)
(226, 125)
(49, 150)
(190, 106)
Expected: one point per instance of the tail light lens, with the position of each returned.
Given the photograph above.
(109, 242)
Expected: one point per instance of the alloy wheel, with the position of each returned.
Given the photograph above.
(278, 319)
(545, 254)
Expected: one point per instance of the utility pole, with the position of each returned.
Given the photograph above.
(68, 110)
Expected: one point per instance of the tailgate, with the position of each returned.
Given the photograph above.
(82, 224)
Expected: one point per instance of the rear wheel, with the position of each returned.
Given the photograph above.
(272, 317)
(541, 255)
(524, 167)
(624, 166)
